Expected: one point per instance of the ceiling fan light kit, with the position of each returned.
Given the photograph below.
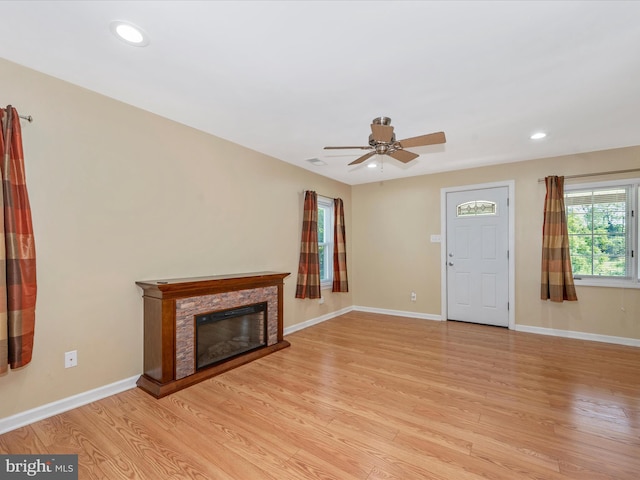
(382, 141)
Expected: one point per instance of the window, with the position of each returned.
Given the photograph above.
(603, 232)
(325, 240)
(476, 208)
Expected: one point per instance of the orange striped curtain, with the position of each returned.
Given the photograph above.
(308, 285)
(17, 251)
(557, 277)
(340, 281)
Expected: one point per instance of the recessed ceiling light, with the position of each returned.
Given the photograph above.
(538, 136)
(129, 33)
(372, 165)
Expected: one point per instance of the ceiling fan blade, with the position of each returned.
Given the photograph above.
(382, 133)
(422, 140)
(363, 158)
(403, 155)
(349, 147)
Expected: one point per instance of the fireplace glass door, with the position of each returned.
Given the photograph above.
(225, 334)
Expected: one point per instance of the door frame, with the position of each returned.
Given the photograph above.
(510, 184)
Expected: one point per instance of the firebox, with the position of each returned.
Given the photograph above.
(224, 334)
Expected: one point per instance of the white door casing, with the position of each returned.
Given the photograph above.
(476, 248)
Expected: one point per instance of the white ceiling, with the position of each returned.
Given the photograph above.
(287, 78)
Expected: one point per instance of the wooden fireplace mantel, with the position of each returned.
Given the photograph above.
(160, 298)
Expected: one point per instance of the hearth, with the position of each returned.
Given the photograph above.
(227, 333)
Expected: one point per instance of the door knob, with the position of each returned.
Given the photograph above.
(451, 264)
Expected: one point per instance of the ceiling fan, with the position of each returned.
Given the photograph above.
(382, 141)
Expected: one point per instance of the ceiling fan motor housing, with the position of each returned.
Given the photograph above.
(377, 143)
(381, 148)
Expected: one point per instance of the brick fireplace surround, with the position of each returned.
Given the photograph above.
(170, 307)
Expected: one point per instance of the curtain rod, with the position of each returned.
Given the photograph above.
(596, 174)
(319, 194)
(28, 118)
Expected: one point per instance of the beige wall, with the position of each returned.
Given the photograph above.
(120, 195)
(392, 223)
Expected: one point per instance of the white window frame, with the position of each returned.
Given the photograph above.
(631, 281)
(326, 206)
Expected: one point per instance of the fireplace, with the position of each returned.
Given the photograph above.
(196, 328)
(225, 334)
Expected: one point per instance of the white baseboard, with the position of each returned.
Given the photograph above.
(54, 408)
(315, 321)
(328, 316)
(45, 411)
(399, 313)
(632, 342)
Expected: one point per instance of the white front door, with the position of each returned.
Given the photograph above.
(477, 256)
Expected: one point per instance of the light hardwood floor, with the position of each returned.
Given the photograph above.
(367, 396)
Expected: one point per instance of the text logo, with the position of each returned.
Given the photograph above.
(49, 467)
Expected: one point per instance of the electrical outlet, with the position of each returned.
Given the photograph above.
(321, 300)
(71, 359)
(413, 296)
